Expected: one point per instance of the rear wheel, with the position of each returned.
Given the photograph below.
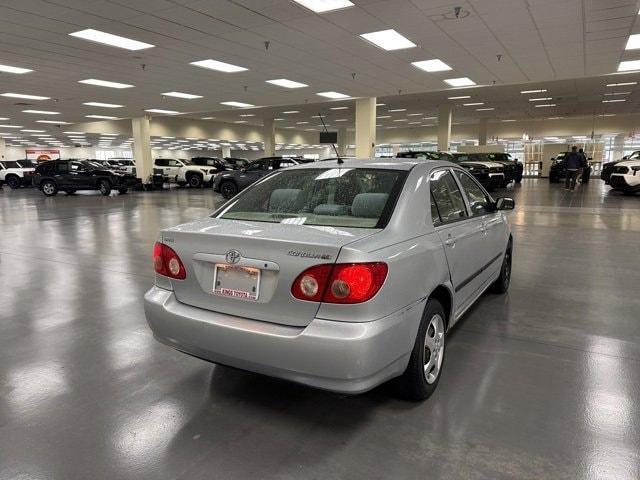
(13, 181)
(228, 189)
(49, 188)
(421, 377)
(105, 187)
(194, 180)
(501, 285)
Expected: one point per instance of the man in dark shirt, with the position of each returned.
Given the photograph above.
(574, 162)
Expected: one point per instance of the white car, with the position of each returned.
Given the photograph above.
(183, 173)
(16, 173)
(625, 177)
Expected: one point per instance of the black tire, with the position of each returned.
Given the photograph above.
(105, 187)
(194, 180)
(501, 285)
(49, 188)
(421, 377)
(182, 184)
(70, 191)
(13, 181)
(123, 190)
(228, 189)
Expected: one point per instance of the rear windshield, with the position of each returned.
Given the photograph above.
(339, 197)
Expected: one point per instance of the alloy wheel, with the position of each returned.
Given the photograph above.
(433, 348)
(48, 188)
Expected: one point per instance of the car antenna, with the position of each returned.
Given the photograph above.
(340, 161)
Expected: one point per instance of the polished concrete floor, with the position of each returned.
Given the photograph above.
(543, 383)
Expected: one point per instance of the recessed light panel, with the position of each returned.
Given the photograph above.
(460, 82)
(333, 95)
(10, 69)
(633, 43)
(472, 104)
(283, 82)
(434, 65)
(10, 126)
(237, 104)
(104, 83)
(218, 66)
(542, 99)
(323, 6)
(24, 95)
(54, 122)
(542, 90)
(110, 39)
(102, 117)
(388, 40)
(546, 105)
(188, 96)
(461, 97)
(103, 105)
(615, 100)
(41, 112)
(623, 84)
(629, 65)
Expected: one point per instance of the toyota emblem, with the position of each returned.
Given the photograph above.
(232, 257)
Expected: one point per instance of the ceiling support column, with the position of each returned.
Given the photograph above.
(142, 148)
(445, 113)
(269, 137)
(3, 149)
(482, 131)
(365, 127)
(342, 141)
(226, 151)
(617, 152)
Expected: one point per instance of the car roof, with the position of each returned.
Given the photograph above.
(378, 163)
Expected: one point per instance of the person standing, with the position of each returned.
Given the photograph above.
(574, 162)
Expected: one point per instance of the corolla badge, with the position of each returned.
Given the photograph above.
(233, 256)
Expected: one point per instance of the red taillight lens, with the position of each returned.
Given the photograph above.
(340, 283)
(167, 262)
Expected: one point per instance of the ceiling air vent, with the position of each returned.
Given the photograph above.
(457, 13)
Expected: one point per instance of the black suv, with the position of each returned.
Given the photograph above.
(217, 164)
(230, 183)
(513, 169)
(72, 175)
(558, 169)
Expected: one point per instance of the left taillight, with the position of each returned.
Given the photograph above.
(167, 262)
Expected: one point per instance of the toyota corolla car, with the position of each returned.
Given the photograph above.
(336, 276)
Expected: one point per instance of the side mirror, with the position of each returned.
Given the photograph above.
(590, 158)
(243, 170)
(505, 203)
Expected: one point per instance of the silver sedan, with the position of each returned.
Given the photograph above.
(336, 275)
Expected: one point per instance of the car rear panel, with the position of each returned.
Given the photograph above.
(280, 251)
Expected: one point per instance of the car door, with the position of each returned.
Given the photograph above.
(78, 176)
(482, 207)
(461, 234)
(62, 175)
(253, 173)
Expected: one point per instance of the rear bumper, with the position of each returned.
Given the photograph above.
(625, 183)
(346, 357)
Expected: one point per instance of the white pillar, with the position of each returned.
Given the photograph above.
(617, 152)
(142, 148)
(365, 127)
(226, 151)
(482, 131)
(342, 141)
(444, 126)
(3, 149)
(269, 137)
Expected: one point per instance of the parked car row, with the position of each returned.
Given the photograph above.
(623, 174)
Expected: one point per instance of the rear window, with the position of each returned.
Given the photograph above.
(338, 197)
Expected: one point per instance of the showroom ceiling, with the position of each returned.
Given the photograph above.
(509, 42)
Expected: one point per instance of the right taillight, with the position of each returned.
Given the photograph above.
(167, 262)
(340, 283)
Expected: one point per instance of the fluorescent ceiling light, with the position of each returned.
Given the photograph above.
(460, 82)
(160, 110)
(461, 97)
(623, 84)
(615, 100)
(342, 120)
(333, 95)
(629, 65)
(546, 105)
(414, 114)
(434, 65)
(339, 108)
(41, 112)
(110, 39)
(429, 118)
(380, 104)
(542, 90)
(218, 66)
(291, 111)
(24, 95)
(472, 104)
(104, 83)
(616, 93)
(103, 105)
(188, 96)
(10, 69)
(248, 115)
(388, 40)
(508, 120)
(10, 126)
(302, 123)
(633, 43)
(323, 6)
(240, 121)
(102, 117)
(207, 118)
(398, 110)
(384, 116)
(401, 120)
(542, 99)
(283, 82)
(33, 131)
(55, 122)
(237, 104)
(484, 109)
(74, 133)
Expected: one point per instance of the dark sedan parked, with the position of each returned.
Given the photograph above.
(72, 175)
(230, 183)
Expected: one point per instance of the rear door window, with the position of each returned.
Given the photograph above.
(448, 197)
(62, 167)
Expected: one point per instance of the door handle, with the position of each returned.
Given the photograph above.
(450, 242)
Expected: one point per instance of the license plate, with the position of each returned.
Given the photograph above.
(236, 282)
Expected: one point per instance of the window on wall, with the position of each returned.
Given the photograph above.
(108, 154)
